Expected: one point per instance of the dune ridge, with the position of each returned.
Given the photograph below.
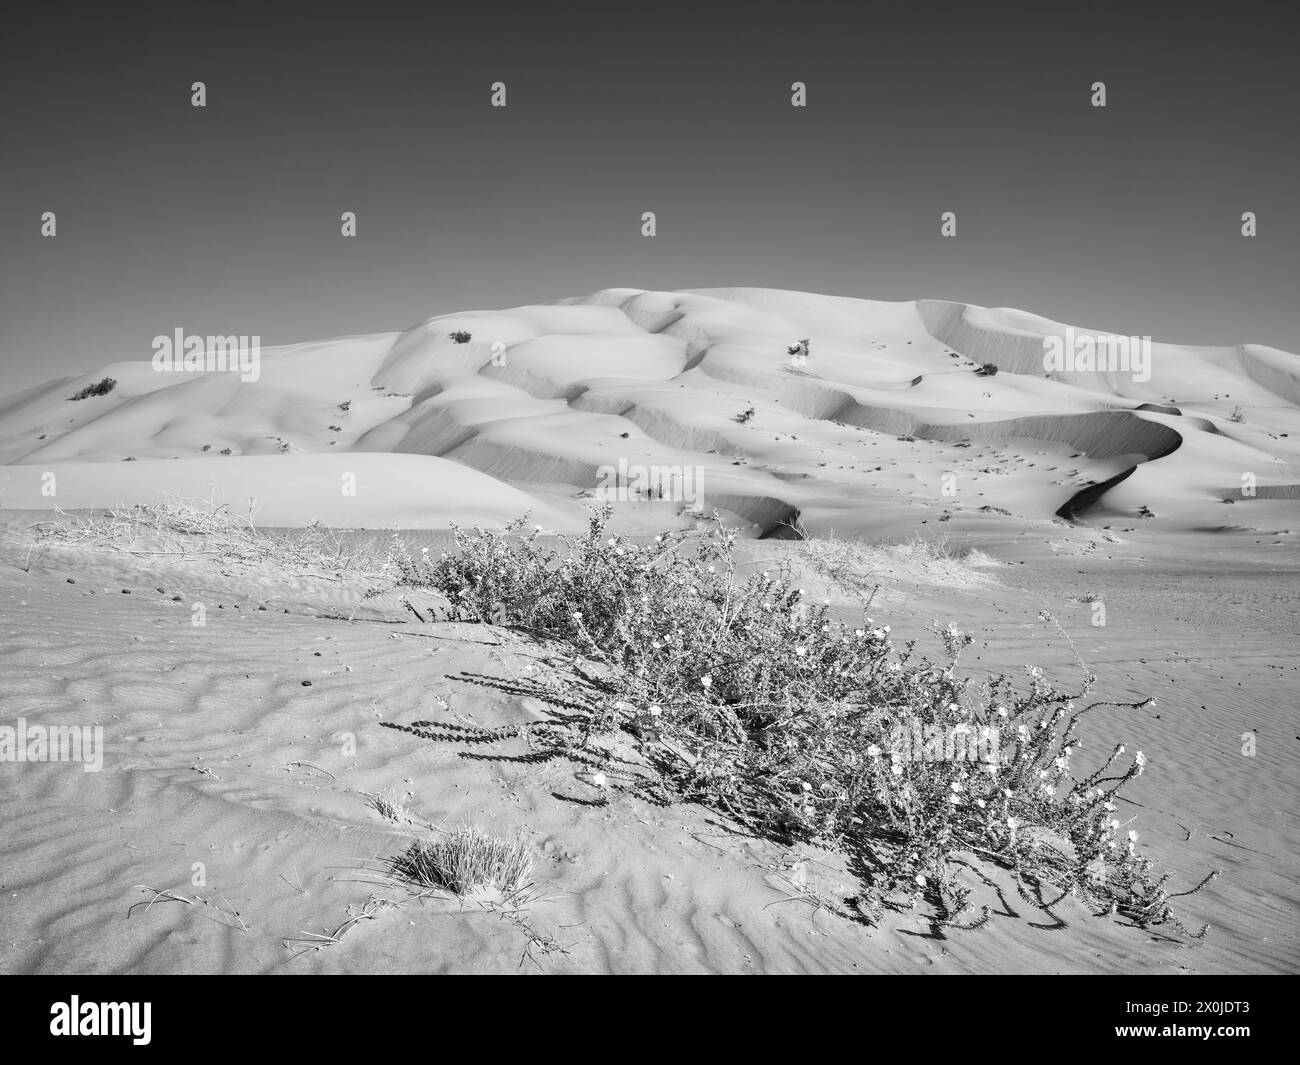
(537, 400)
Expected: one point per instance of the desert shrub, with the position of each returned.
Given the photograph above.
(987, 370)
(465, 860)
(754, 702)
(745, 416)
(100, 388)
(1238, 415)
(460, 336)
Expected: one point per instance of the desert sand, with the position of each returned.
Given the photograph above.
(230, 781)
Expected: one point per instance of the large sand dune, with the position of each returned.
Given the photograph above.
(888, 414)
(239, 753)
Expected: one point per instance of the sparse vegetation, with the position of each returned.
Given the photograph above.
(745, 416)
(390, 805)
(747, 699)
(99, 388)
(466, 860)
(1238, 415)
(987, 370)
(184, 529)
(460, 336)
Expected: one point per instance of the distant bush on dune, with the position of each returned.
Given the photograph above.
(987, 370)
(460, 337)
(100, 388)
(758, 704)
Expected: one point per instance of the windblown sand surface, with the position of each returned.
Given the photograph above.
(229, 781)
(217, 754)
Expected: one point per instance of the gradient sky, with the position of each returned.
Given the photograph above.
(226, 220)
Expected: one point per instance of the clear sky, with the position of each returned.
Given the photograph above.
(226, 219)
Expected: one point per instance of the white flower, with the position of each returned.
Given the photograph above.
(955, 800)
(599, 780)
(980, 803)
(577, 614)
(955, 785)
(707, 681)
(1132, 836)
(1012, 823)
(801, 651)
(873, 751)
(1141, 760)
(807, 786)
(897, 769)
(920, 879)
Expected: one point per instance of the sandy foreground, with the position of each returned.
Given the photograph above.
(219, 761)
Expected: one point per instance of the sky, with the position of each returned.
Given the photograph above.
(226, 219)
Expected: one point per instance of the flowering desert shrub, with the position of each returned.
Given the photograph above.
(754, 702)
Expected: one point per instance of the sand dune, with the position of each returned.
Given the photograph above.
(245, 747)
(539, 399)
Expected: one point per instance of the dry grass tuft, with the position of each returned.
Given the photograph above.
(466, 860)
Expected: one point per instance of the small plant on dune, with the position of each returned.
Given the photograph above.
(752, 701)
(466, 860)
(460, 336)
(987, 370)
(100, 388)
(1238, 415)
(390, 805)
(745, 416)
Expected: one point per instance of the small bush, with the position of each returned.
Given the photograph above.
(100, 388)
(987, 370)
(466, 860)
(769, 709)
(745, 416)
(460, 337)
(1238, 415)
